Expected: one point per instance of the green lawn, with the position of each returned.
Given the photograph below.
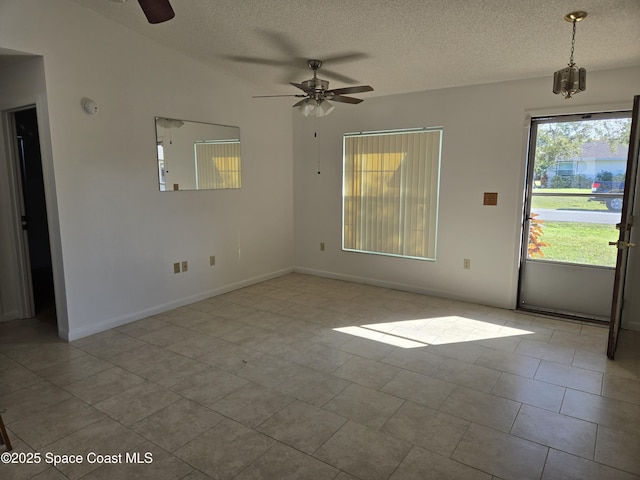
(585, 243)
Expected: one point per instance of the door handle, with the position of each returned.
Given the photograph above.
(622, 244)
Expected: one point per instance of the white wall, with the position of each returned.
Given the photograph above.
(119, 235)
(484, 150)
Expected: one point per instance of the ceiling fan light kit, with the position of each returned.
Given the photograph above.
(310, 107)
(571, 79)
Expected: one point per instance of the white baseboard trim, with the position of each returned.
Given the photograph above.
(9, 316)
(367, 281)
(396, 286)
(85, 331)
(632, 325)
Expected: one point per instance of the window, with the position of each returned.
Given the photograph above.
(161, 172)
(566, 169)
(217, 164)
(390, 192)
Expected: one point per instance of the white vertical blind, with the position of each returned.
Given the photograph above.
(390, 192)
(217, 165)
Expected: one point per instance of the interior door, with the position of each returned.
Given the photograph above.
(625, 227)
(16, 237)
(576, 175)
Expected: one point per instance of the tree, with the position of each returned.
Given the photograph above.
(557, 141)
(564, 140)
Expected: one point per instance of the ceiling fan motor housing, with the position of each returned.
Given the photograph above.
(316, 84)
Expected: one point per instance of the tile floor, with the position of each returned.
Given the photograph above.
(303, 377)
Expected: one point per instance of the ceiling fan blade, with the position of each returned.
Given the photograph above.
(282, 42)
(345, 57)
(257, 60)
(357, 89)
(299, 103)
(338, 98)
(157, 11)
(272, 96)
(336, 76)
(302, 87)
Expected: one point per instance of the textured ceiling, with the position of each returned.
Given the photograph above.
(398, 46)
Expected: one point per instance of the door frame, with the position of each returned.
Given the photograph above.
(11, 104)
(579, 113)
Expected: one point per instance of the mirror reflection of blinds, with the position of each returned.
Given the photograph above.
(390, 192)
(217, 164)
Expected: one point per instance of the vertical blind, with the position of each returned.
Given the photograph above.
(390, 192)
(217, 165)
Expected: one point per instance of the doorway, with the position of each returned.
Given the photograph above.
(39, 284)
(575, 183)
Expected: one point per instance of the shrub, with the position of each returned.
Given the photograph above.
(535, 237)
(604, 176)
(571, 181)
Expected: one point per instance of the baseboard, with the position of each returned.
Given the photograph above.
(77, 333)
(632, 325)
(9, 316)
(367, 281)
(384, 283)
(395, 286)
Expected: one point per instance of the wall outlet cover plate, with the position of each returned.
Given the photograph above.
(490, 198)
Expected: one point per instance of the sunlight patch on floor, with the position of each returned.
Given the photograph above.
(432, 331)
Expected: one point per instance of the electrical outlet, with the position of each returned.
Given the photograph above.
(185, 266)
(322, 246)
(212, 260)
(467, 264)
(176, 267)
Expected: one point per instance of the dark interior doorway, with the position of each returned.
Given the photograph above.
(35, 213)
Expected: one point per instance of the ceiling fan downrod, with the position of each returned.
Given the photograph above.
(315, 85)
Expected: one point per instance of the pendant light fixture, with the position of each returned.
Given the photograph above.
(571, 80)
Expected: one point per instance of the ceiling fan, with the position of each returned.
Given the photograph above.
(156, 11)
(316, 96)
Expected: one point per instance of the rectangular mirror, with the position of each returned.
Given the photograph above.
(197, 155)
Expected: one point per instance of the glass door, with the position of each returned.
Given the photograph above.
(575, 185)
(626, 273)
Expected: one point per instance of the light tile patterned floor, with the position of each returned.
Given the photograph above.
(302, 377)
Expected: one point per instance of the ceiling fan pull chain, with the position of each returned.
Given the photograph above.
(315, 136)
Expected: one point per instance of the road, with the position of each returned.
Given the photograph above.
(583, 216)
